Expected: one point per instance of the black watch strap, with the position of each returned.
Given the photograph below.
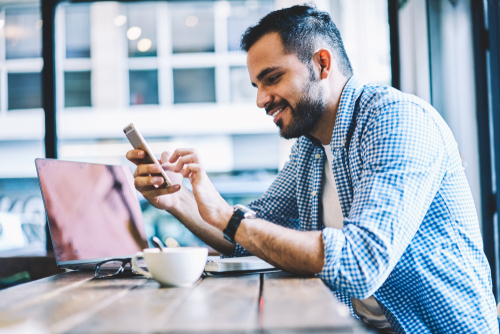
(233, 225)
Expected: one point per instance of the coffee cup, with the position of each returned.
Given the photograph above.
(179, 266)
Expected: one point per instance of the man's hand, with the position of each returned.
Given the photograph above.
(212, 207)
(148, 180)
(177, 200)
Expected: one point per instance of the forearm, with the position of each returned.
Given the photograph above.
(186, 212)
(298, 252)
(294, 251)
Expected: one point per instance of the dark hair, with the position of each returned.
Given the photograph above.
(302, 28)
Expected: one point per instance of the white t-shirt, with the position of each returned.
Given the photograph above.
(368, 309)
(332, 211)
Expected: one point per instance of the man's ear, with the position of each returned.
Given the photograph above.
(324, 60)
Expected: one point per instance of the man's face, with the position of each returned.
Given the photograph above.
(287, 88)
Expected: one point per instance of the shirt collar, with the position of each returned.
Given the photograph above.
(350, 94)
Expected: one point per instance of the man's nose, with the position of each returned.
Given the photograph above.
(264, 98)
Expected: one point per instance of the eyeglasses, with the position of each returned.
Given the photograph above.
(111, 267)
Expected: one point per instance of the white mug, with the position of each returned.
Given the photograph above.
(179, 266)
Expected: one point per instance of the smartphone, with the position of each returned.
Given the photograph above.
(137, 140)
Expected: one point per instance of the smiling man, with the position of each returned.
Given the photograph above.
(374, 199)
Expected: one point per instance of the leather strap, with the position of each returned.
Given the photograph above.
(233, 225)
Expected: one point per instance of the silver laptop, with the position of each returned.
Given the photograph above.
(93, 212)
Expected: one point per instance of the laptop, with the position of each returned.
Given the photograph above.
(93, 212)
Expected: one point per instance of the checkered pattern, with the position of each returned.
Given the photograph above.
(411, 237)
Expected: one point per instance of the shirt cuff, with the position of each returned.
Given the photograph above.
(238, 251)
(333, 241)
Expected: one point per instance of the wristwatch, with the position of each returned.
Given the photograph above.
(240, 212)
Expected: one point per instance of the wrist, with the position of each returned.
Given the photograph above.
(225, 215)
(240, 212)
(183, 201)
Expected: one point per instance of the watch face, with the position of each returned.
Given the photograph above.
(249, 213)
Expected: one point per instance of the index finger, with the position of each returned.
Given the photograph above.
(181, 152)
(146, 169)
(135, 156)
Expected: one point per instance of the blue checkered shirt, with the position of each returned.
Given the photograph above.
(411, 236)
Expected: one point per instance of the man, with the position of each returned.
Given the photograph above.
(374, 198)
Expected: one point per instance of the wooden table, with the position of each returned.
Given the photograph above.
(74, 302)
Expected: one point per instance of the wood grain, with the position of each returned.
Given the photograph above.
(66, 304)
(21, 296)
(140, 311)
(217, 305)
(301, 304)
(75, 303)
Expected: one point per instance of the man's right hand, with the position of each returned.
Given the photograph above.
(148, 180)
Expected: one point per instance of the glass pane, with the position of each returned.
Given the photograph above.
(77, 21)
(243, 15)
(192, 27)
(241, 86)
(22, 214)
(24, 90)
(194, 85)
(23, 33)
(141, 32)
(77, 89)
(143, 87)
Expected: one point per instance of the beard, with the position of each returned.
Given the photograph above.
(306, 113)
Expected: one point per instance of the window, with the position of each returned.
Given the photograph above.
(77, 89)
(141, 32)
(143, 87)
(77, 32)
(192, 27)
(22, 217)
(194, 85)
(23, 32)
(244, 14)
(241, 88)
(24, 90)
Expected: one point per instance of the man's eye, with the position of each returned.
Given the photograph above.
(274, 78)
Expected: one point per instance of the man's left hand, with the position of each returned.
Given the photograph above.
(212, 207)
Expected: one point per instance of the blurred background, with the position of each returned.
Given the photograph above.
(174, 69)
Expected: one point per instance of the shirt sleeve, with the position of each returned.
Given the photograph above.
(404, 161)
(279, 203)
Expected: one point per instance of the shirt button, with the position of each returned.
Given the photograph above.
(317, 156)
(342, 142)
(314, 193)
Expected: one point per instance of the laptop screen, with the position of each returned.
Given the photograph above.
(93, 210)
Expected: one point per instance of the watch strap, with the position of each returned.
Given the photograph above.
(233, 225)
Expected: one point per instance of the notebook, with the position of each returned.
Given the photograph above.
(237, 266)
(92, 210)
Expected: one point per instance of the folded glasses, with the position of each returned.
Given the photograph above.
(111, 267)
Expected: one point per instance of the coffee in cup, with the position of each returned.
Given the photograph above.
(179, 266)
